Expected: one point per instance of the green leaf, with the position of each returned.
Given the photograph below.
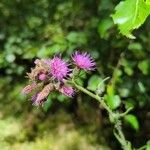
(148, 2)
(103, 27)
(130, 15)
(124, 92)
(148, 145)
(130, 103)
(47, 104)
(110, 90)
(135, 46)
(61, 98)
(94, 82)
(113, 101)
(82, 74)
(144, 66)
(79, 81)
(132, 121)
(141, 87)
(77, 37)
(127, 67)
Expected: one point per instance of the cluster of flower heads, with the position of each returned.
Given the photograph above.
(53, 74)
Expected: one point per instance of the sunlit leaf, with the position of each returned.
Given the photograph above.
(132, 121)
(112, 100)
(130, 15)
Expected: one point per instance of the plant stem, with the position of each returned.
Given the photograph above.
(115, 118)
(99, 99)
(126, 112)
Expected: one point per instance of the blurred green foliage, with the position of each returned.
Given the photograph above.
(42, 28)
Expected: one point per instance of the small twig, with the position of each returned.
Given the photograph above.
(142, 148)
(126, 112)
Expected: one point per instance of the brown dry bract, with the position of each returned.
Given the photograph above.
(41, 67)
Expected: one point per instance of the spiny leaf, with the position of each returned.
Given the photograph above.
(130, 15)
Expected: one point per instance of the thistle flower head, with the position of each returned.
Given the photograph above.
(67, 90)
(50, 74)
(37, 102)
(34, 97)
(39, 98)
(37, 61)
(40, 68)
(59, 68)
(83, 60)
(29, 88)
(42, 76)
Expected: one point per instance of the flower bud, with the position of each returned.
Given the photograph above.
(29, 88)
(40, 98)
(67, 90)
(42, 76)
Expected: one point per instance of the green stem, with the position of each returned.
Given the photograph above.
(99, 99)
(112, 116)
(126, 112)
(122, 140)
(142, 148)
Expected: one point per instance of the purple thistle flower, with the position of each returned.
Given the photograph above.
(67, 90)
(42, 76)
(59, 68)
(83, 61)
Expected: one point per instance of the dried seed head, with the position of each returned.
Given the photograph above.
(41, 96)
(29, 88)
(40, 68)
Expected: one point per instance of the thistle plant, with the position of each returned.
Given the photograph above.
(56, 74)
